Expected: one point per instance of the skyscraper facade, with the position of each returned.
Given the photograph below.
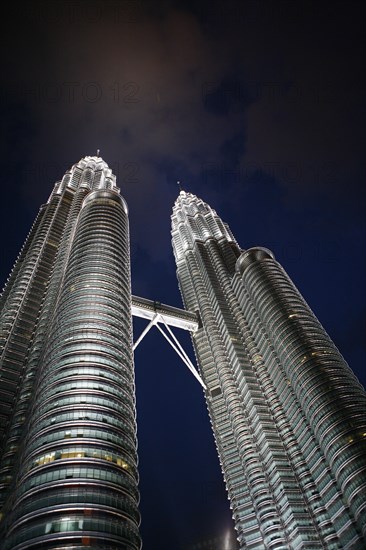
(67, 401)
(288, 415)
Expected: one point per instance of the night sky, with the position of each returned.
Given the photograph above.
(256, 107)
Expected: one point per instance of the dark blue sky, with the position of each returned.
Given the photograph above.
(257, 107)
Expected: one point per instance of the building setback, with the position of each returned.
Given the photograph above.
(67, 395)
(288, 415)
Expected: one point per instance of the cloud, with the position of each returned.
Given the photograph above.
(167, 96)
(135, 90)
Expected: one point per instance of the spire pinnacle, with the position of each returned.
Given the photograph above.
(98, 151)
(180, 186)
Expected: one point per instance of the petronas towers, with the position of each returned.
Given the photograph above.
(288, 415)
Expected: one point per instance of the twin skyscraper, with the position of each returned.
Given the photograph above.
(288, 415)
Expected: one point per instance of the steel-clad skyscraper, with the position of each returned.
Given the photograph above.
(287, 413)
(67, 400)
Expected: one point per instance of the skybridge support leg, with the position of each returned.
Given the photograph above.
(145, 331)
(181, 353)
(173, 341)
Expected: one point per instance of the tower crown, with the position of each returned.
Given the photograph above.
(90, 172)
(194, 220)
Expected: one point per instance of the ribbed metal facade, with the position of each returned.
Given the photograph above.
(69, 464)
(288, 415)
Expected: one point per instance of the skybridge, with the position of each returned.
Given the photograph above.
(163, 317)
